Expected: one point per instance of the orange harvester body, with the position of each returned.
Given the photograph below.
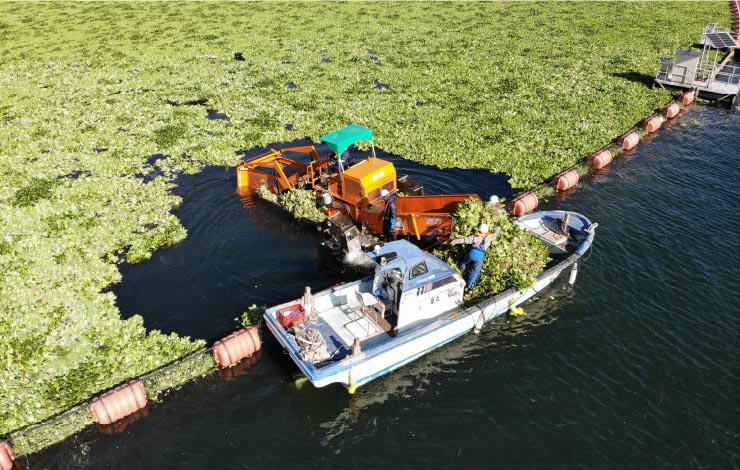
(355, 193)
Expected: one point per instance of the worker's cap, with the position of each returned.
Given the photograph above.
(493, 200)
(383, 192)
(483, 228)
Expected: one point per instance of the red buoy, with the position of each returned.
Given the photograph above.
(524, 204)
(671, 110)
(653, 123)
(119, 402)
(601, 159)
(236, 346)
(566, 180)
(6, 456)
(629, 140)
(687, 98)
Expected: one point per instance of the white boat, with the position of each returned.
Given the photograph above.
(355, 332)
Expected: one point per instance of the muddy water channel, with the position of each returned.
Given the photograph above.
(635, 367)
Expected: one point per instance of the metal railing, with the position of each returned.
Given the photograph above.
(725, 75)
(676, 74)
(705, 76)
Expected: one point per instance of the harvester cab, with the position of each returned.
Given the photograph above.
(360, 184)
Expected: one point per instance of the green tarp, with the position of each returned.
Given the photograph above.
(339, 141)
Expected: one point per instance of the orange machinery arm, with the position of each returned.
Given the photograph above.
(250, 175)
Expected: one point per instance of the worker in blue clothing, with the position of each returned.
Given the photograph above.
(389, 216)
(480, 241)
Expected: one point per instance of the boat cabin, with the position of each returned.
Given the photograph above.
(414, 285)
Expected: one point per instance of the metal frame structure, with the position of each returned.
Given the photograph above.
(716, 74)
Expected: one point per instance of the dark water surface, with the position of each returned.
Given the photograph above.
(637, 367)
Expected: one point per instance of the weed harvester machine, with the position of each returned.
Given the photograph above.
(352, 197)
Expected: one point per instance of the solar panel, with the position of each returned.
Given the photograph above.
(721, 40)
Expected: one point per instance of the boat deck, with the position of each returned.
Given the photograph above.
(547, 229)
(341, 324)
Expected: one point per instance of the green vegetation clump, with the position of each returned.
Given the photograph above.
(91, 91)
(302, 204)
(37, 438)
(168, 135)
(171, 377)
(514, 260)
(252, 316)
(34, 191)
(267, 195)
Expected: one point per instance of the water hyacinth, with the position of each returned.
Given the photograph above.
(91, 92)
(302, 204)
(514, 259)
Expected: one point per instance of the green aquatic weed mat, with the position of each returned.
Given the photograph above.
(104, 103)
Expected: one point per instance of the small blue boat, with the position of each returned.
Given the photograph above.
(355, 332)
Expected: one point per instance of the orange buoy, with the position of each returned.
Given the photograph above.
(653, 123)
(671, 110)
(524, 204)
(687, 98)
(119, 402)
(566, 180)
(601, 159)
(6, 456)
(629, 140)
(236, 346)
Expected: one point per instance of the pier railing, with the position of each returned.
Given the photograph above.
(726, 76)
(676, 73)
(718, 77)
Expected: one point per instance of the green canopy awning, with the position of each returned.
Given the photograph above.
(339, 141)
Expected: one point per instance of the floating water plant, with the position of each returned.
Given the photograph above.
(514, 260)
(302, 204)
(77, 79)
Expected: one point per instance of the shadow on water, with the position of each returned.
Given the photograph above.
(381, 86)
(636, 77)
(242, 251)
(214, 115)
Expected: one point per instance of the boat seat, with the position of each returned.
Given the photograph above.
(370, 305)
(366, 299)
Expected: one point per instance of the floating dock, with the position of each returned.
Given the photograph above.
(712, 73)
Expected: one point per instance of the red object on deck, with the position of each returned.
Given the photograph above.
(291, 315)
(524, 204)
(653, 123)
(6, 456)
(119, 402)
(236, 346)
(687, 98)
(566, 180)
(601, 159)
(629, 140)
(671, 110)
